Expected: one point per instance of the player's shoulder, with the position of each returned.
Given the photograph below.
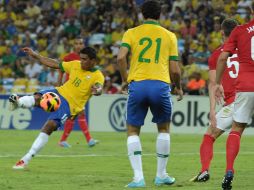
(96, 70)
(71, 56)
(74, 63)
(218, 50)
(249, 26)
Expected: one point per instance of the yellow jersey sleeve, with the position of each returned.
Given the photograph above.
(126, 41)
(99, 79)
(66, 66)
(174, 48)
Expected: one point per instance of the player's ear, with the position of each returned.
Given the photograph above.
(222, 32)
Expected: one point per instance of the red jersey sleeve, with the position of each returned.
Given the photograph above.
(212, 61)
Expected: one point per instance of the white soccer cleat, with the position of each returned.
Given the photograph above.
(13, 102)
(20, 165)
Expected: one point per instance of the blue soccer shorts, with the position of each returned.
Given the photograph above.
(153, 94)
(63, 112)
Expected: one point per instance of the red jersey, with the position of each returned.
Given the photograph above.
(229, 75)
(242, 38)
(70, 57)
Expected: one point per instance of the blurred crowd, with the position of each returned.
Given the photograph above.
(50, 27)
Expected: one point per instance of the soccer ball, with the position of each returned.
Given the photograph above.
(50, 102)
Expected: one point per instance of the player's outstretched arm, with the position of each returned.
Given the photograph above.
(175, 75)
(211, 86)
(52, 63)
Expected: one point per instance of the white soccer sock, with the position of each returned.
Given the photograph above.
(26, 101)
(135, 152)
(38, 144)
(163, 149)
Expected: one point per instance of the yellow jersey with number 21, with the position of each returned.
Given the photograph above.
(151, 47)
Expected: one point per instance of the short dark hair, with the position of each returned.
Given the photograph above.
(228, 25)
(89, 51)
(151, 9)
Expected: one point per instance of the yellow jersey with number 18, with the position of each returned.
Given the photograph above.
(77, 90)
(151, 47)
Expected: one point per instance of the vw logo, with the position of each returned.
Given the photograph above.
(117, 113)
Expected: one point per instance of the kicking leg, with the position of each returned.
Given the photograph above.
(38, 144)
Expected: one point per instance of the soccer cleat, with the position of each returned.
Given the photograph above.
(227, 180)
(64, 144)
(92, 142)
(20, 165)
(164, 181)
(201, 177)
(134, 184)
(13, 102)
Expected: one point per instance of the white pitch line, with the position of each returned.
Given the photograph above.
(111, 155)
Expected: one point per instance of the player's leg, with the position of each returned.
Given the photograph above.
(135, 156)
(232, 150)
(68, 126)
(136, 111)
(243, 109)
(38, 144)
(224, 120)
(161, 107)
(55, 120)
(163, 152)
(84, 127)
(27, 101)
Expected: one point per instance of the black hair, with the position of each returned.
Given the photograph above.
(151, 9)
(228, 25)
(90, 52)
(78, 38)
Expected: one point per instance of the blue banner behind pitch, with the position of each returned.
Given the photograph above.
(22, 118)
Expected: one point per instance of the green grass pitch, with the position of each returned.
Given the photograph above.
(106, 166)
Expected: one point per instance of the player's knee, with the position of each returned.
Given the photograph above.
(49, 127)
(37, 98)
(214, 132)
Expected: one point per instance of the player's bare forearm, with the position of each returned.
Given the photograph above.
(123, 69)
(44, 60)
(211, 97)
(211, 85)
(221, 64)
(175, 73)
(52, 63)
(122, 62)
(176, 78)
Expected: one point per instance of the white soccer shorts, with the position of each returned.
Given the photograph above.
(244, 107)
(225, 117)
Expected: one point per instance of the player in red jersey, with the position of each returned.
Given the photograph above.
(78, 45)
(242, 39)
(223, 119)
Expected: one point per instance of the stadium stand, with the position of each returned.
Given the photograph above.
(51, 26)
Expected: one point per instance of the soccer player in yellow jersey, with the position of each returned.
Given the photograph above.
(84, 81)
(153, 64)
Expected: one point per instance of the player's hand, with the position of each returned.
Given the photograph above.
(30, 52)
(96, 89)
(179, 93)
(124, 88)
(219, 93)
(213, 121)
